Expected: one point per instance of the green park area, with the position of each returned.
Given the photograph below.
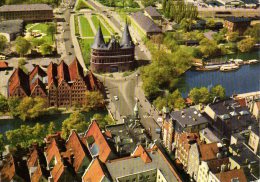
(88, 34)
(86, 29)
(96, 21)
(45, 30)
(82, 5)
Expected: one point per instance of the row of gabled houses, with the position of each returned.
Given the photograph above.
(61, 84)
(219, 142)
(88, 157)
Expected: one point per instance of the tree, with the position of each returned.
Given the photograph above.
(26, 135)
(51, 128)
(211, 23)
(13, 103)
(31, 108)
(21, 65)
(94, 100)
(246, 44)
(2, 145)
(3, 41)
(208, 48)
(217, 91)
(111, 3)
(22, 46)
(173, 101)
(46, 49)
(75, 121)
(232, 36)
(51, 30)
(254, 32)
(199, 95)
(158, 39)
(3, 104)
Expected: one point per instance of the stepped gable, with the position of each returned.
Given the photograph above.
(63, 72)
(52, 74)
(96, 142)
(36, 78)
(19, 79)
(76, 70)
(77, 150)
(126, 41)
(99, 41)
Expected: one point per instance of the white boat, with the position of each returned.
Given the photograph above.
(253, 61)
(238, 61)
(229, 67)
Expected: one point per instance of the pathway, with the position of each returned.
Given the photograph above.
(105, 25)
(76, 44)
(88, 16)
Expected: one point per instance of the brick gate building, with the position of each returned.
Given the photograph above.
(112, 56)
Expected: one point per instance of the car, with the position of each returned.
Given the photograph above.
(116, 98)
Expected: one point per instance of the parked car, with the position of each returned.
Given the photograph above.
(116, 98)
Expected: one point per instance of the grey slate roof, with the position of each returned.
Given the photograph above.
(128, 166)
(237, 19)
(11, 26)
(152, 11)
(146, 23)
(99, 40)
(188, 117)
(126, 41)
(25, 7)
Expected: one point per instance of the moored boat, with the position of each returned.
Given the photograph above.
(253, 61)
(229, 67)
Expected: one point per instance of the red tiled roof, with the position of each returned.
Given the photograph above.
(208, 151)
(140, 152)
(53, 151)
(52, 73)
(92, 81)
(75, 146)
(108, 134)
(19, 79)
(100, 141)
(32, 161)
(36, 70)
(63, 72)
(3, 64)
(229, 175)
(94, 173)
(241, 101)
(185, 138)
(215, 165)
(76, 70)
(8, 171)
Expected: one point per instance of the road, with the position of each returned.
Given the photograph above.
(126, 88)
(127, 91)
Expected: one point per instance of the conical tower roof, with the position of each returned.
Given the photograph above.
(99, 40)
(126, 38)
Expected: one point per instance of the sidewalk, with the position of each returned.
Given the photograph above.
(76, 44)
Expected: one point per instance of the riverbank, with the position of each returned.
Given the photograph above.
(245, 79)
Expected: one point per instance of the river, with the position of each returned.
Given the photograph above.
(245, 79)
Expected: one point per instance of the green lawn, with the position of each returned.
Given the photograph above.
(96, 23)
(86, 29)
(107, 25)
(82, 5)
(85, 46)
(43, 28)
